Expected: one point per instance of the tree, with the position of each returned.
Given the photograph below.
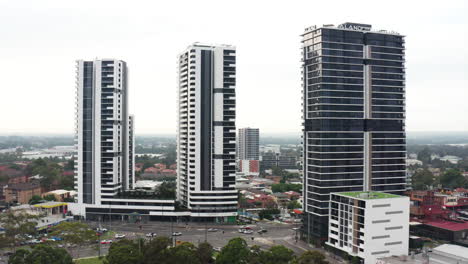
(294, 204)
(35, 199)
(205, 253)
(452, 178)
(124, 251)
(422, 179)
(312, 257)
(278, 255)
(268, 213)
(235, 252)
(425, 155)
(50, 197)
(75, 233)
(183, 253)
(285, 187)
(17, 225)
(155, 249)
(355, 260)
(41, 254)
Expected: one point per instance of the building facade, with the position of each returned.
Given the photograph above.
(369, 225)
(353, 83)
(103, 131)
(248, 144)
(206, 135)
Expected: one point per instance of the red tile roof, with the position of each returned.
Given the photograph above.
(449, 225)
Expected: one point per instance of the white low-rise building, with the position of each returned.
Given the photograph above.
(369, 225)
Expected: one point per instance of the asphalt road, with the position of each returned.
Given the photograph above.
(277, 234)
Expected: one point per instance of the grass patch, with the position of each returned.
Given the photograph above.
(94, 260)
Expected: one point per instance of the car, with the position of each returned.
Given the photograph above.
(177, 234)
(295, 228)
(119, 236)
(101, 230)
(261, 231)
(151, 234)
(33, 241)
(248, 231)
(106, 241)
(212, 229)
(217, 249)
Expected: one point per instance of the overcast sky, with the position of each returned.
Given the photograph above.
(40, 41)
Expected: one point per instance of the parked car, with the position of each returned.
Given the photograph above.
(177, 234)
(217, 249)
(106, 241)
(119, 236)
(151, 234)
(212, 229)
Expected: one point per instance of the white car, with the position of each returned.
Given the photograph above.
(151, 234)
(212, 229)
(218, 249)
(248, 231)
(177, 234)
(118, 236)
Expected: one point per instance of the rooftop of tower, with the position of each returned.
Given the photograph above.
(353, 27)
(369, 195)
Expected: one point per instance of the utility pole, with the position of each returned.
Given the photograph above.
(172, 232)
(206, 231)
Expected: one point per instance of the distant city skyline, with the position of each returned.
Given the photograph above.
(42, 40)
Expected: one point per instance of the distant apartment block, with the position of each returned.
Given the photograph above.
(21, 192)
(249, 167)
(369, 225)
(272, 159)
(248, 144)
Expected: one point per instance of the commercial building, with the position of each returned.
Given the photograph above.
(353, 82)
(369, 225)
(21, 192)
(248, 144)
(249, 167)
(272, 159)
(206, 135)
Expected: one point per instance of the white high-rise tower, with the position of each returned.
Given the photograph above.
(103, 131)
(206, 136)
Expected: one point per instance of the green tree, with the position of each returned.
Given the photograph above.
(355, 260)
(183, 253)
(155, 249)
(124, 251)
(294, 204)
(278, 255)
(17, 225)
(205, 253)
(452, 178)
(75, 233)
(285, 187)
(41, 254)
(235, 252)
(50, 197)
(35, 199)
(422, 179)
(268, 213)
(425, 155)
(312, 257)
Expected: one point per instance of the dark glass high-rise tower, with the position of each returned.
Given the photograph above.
(353, 82)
